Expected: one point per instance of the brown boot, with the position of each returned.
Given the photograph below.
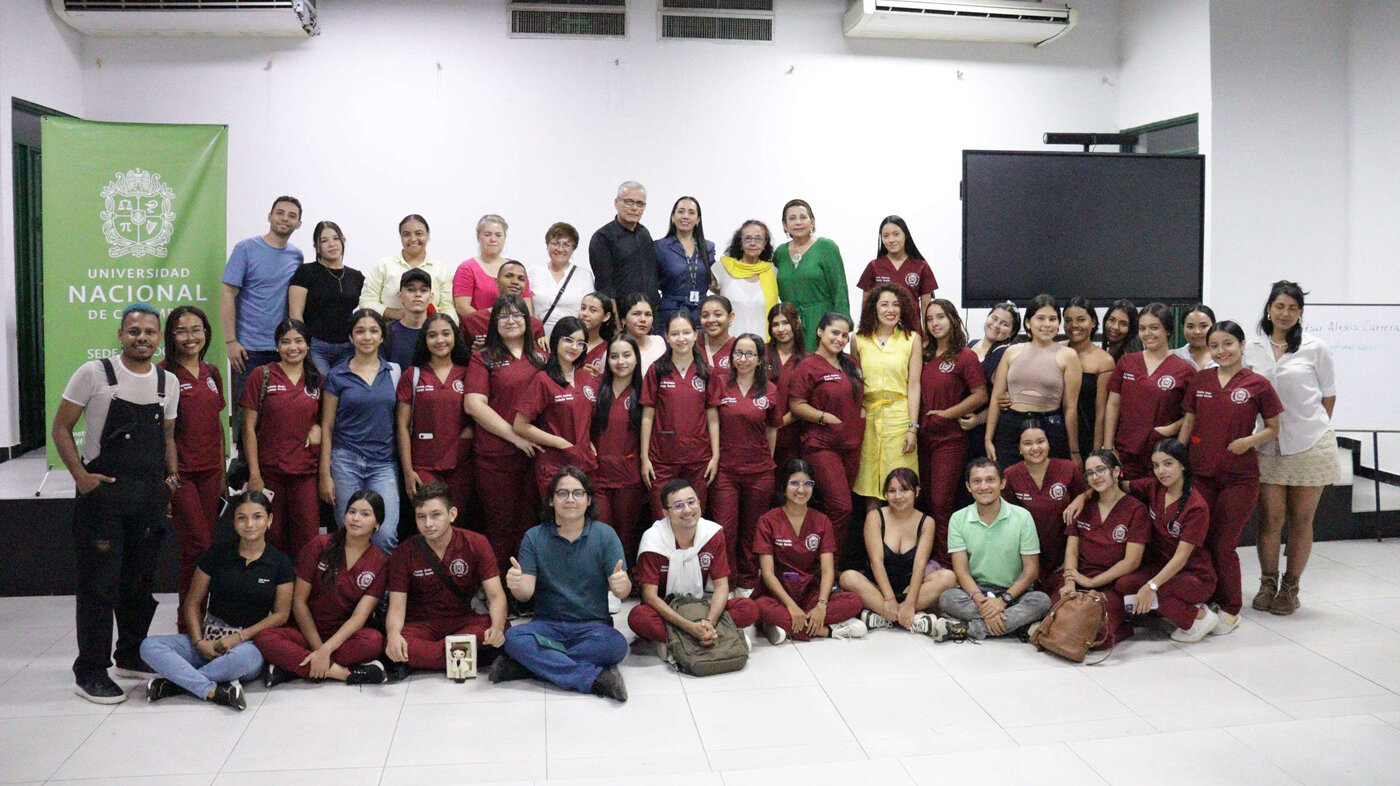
(1286, 601)
(1268, 588)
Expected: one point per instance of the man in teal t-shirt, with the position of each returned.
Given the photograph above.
(996, 558)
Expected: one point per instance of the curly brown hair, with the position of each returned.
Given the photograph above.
(908, 312)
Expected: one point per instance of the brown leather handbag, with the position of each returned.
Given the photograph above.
(1075, 624)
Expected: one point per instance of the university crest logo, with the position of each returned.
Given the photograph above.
(137, 215)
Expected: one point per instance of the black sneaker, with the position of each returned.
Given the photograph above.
(371, 673)
(396, 671)
(609, 685)
(507, 669)
(229, 694)
(957, 630)
(99, 689)
(276, 675)
(135, 669)
(161, 688)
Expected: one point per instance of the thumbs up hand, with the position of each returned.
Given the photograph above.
(514, 575)
(618, 583)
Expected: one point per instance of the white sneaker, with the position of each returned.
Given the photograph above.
(614, 604)
(774, 634)
(849, 629)
(873, 621)
(1227, 624)
(1199, 629)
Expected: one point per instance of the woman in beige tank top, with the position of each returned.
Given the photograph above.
(1042, 379)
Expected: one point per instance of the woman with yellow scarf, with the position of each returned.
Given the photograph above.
(745, 275)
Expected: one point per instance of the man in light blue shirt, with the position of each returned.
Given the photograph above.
(253, 298)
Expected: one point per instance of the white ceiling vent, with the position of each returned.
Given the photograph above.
(717, 20)
(253, 18)
(568, 18)
(1007, 21)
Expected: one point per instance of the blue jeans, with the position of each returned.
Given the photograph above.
(259, 357)
(351, 472)
(324, 354)
(174, 658)
(589, 647)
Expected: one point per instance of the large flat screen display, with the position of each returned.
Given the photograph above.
(1101, 225)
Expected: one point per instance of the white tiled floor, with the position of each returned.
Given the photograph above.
(1311, 699)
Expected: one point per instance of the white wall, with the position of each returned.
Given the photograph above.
(1280, 146)
(39, 62)
(430, 107)
(1165, 62)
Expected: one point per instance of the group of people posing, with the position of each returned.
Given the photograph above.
(734, 403)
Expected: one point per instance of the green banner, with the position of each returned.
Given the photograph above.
(132, 213)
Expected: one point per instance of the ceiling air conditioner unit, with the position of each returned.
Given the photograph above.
(251, 18)
(1009, 21)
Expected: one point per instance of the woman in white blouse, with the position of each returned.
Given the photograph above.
(559, 287)
(745, 275)
(1294, 468)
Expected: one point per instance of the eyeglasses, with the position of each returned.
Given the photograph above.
(570, 341)
(634, 203)
(561, 244)
(807, 485)
(1097, 472)
(744, 354)
(564, 494)
(753, 239)
(685, 503)
(509, 316)
(194, 332)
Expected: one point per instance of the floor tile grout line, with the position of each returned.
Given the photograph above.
(106, 717)
(709, 764)
(1088, 763)
(834, 708)
(384, 768)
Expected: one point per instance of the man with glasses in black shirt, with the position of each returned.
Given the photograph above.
(622, 252)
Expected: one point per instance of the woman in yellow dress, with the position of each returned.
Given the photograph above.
(889, 349)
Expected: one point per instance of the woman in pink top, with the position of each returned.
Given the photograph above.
(474, 285)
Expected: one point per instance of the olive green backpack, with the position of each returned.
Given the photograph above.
(689, 656)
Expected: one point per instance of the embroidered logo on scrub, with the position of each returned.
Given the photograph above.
(698, 384)
(1166, 383)
(812, 542)
(1239, 395)
(364, 579)
(458, 567)
(1057, 491)
(912, 279)
(1120, 533)
(946, 366)
(457, 386)
(706, 559)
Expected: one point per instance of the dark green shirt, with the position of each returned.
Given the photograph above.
(814, 286)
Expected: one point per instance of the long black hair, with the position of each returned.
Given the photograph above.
(176, 316)
(1131, 312)
(1294, 337)
(310, 375)
(707, 258)
(799, 346)
(495, 350)
(760, 371)
(1079, 301)
(664, 365)
(1173, 447)
(910, 250)
(461, 349)
(564, 327)
(626, 303)
(602, 408)
(848, 365)
(333, 555)
(612, 323)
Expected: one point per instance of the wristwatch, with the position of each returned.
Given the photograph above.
(1006, 598)
(1152, 585)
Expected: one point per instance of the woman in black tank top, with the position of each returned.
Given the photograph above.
(902, 582)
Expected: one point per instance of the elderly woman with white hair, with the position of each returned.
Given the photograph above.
(474, 285)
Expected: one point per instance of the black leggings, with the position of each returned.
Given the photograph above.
(1007, 439)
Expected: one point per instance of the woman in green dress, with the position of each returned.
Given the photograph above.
(811, 275)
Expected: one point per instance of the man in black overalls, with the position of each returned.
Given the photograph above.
(124, 480)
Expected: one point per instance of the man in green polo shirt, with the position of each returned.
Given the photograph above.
(996, 558)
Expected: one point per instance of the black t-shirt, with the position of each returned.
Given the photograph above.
(241, 593)
(331, 296)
